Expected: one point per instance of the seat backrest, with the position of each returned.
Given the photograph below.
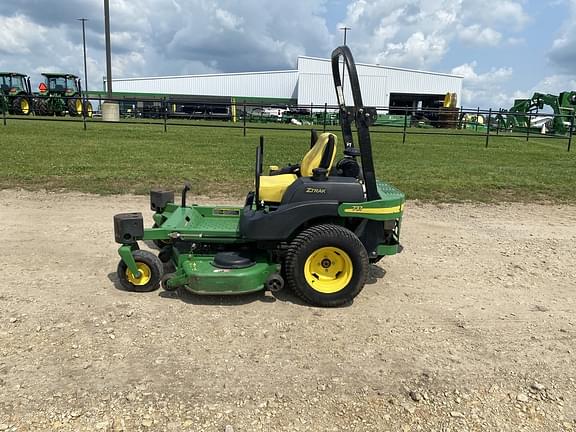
(321, 155)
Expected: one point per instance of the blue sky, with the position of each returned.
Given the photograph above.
(503, 48)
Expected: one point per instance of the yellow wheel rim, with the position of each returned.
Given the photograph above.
(79, 106)
(145, 275)
(328, 270)
(24, 106)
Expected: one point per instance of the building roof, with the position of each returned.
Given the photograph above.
(13, 74)
(55, 74)
(203, 75)
(283, 71)
(386, 67)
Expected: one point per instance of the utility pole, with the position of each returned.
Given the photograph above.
(84, 44)
(110, 108)
(345, 29)
(108, 50)
(85, 97)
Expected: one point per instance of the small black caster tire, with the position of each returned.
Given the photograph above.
(275, 282)
(150, 268)
(164, 283)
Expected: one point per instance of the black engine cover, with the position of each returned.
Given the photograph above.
(303, 201)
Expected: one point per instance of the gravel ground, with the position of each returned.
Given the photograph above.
(471, 328)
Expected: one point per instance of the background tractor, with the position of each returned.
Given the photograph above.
(61, 94)
(15, 93)
(524, 113)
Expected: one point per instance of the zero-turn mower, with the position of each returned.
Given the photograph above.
(316, 225)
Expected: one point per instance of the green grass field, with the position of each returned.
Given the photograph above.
(117, 158)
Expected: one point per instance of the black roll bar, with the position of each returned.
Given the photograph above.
(360, 115)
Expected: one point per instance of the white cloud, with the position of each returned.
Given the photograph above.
(509, 13)
(563, 51)
(484, 89)
(514, 41)
(180, 36)
(197, 36)
(476, 35)
(418, 33)
(229, 21)
(554, 84)
(418, 49)
(20, 35)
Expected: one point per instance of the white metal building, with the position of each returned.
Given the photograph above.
(264, 85)
(310, 84)
(382, 86)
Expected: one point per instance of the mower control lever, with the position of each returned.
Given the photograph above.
(187, 187)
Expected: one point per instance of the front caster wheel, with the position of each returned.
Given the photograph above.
(150, 272)
(164, 282)
(275, 282)
(326, 265)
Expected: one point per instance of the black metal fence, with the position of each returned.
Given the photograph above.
(475, 123)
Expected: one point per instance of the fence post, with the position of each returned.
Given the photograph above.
(244, 118)
(404, 129)
(488, 126)
(84, 107)
(84, 103)
(165, 113)
(571, 132)
(325, 113)
(4, 114)
(460, 117)
(477, 118)
(311, 113)
(528, 127)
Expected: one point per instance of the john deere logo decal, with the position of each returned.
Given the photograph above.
(315, 190)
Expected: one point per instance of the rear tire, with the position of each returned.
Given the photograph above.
(41, 107)
(74, 106)
(326, 265)
(21, 105)
(88, 110)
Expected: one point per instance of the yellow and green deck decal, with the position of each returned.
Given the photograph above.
(378, 210)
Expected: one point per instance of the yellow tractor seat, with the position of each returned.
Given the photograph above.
(272, 188)
(321, 155)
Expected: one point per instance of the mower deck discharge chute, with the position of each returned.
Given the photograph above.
(315, 226)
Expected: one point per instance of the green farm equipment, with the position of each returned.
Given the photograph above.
(61, 94)
(15, 93)
(316, 226)
(524, 112)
